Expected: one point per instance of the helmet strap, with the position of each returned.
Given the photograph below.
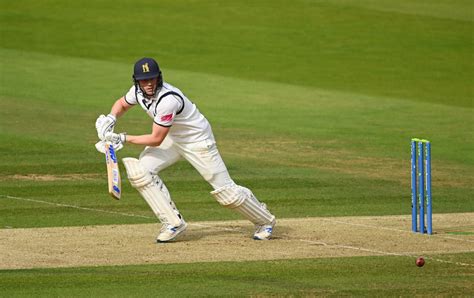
(159, 85)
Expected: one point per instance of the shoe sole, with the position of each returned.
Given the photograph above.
(180, 232)
(269, 237)
(261, 239)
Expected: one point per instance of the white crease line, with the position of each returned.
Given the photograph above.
(77, 207)
(381, 252)
(231, 229)
(226, 229)
(105, 211)
(352, 247)
(392, 229)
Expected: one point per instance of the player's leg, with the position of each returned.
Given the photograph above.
(143, 175)
(242, 200)
(205, 157)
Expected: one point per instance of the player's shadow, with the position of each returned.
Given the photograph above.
(198, 232)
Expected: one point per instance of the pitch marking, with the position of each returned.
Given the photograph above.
(306, 241)
(76, 207)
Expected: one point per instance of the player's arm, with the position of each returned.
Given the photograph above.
(105, 124)
(162, 123)
(155, 138)
(120, 107)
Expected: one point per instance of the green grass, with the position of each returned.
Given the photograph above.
(313, 105)
(357, 276)
(326, 146)
(410, 49)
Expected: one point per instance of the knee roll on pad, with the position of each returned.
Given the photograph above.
(242, 200)
(153, 191)
(138, 176)
(230, 196)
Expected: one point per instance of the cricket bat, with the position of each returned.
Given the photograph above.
(113, 172)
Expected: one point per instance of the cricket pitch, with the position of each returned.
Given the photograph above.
(212, 241)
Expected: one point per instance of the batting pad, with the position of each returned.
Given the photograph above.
(242, 200)
(153, 191)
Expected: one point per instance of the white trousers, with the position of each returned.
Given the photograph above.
(203, 156)
(206, 159)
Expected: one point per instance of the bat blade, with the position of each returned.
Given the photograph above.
(113, 172)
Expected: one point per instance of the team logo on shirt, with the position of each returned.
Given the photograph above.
(167, 118)
(145, 67)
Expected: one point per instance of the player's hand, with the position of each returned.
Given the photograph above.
(105, 124)
(116, 138)
(100, 146)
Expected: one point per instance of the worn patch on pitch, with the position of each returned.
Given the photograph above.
(231, 241)
(48, 177)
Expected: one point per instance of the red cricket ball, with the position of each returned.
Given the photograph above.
(420, 262)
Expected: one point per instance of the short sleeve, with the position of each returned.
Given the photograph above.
(166, 111)
(131, 96)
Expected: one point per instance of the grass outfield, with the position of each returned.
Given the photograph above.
(321, 153)
(313, 106)
(357, 276)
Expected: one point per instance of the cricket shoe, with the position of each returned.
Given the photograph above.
(170, 233)
(264, 232)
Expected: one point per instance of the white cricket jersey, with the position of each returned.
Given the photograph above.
(171, 108)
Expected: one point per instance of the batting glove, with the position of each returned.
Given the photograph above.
(116, 138)
(105, 124)
(100, 146)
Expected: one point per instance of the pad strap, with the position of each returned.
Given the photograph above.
(242, 200)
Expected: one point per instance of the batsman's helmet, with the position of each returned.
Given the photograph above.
(145, 69)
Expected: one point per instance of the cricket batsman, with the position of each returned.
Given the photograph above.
(179, 130)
